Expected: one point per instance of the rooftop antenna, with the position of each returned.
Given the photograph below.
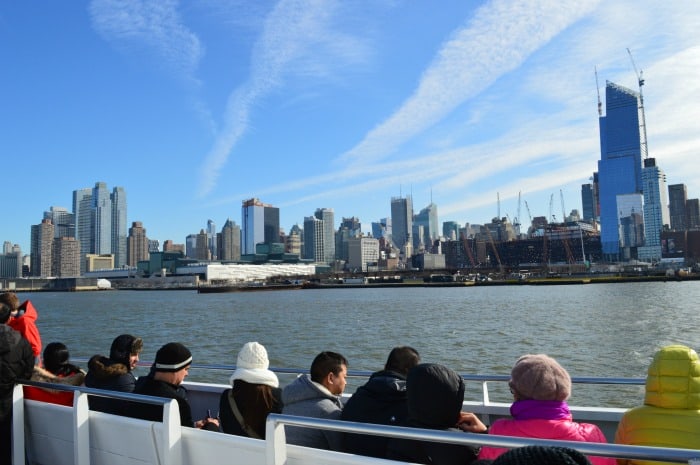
(498, 202)
(597, 88)
(643, 124)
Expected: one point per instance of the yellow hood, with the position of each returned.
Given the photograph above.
(673, 379)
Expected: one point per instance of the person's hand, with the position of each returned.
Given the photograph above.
(469, 422)
(201, 423)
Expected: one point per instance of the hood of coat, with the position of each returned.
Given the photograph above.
(103, 368)
(673, 379)
(435, 396)
(386, 384)
(302, 389)
(44, 376)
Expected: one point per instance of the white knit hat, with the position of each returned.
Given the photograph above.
(252, 366)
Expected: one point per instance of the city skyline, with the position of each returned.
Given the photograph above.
(330, 105)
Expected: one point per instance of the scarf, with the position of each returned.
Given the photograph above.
(542, 409)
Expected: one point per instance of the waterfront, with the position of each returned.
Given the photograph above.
(593, 330)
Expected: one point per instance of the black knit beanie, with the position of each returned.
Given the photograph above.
(173, 356)
(542, 455)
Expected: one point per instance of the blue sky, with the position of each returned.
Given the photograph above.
(193, 107)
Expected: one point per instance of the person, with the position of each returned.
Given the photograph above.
(540, 455)
(382, 400)
(23, 320)
(317, 395)
(16, 362)
(169, 370)
(254, 393)
(670, 416)
(435, 398)
(57, 369)
(114, 373)
(540, 387)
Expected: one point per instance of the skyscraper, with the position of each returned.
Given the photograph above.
(328, 217)
(401, 221)
(82, 211)
(229, 244)
(260, 224)
(677, 197)
(313, 239)
(620, 165)
(656, 214)
(42, 249)
(211, 239)
(428, 219)
(137, 244)
(119, 226)
(62, 220)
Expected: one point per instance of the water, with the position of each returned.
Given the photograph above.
(607, 330)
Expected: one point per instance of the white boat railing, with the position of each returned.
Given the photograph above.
(277, 447)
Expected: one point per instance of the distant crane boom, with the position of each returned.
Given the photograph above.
(643, 123)
(597, 88)
(563, 209)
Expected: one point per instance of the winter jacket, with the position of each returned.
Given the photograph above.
(306, 398)
(54, 396)
(670, 416)
(382, 400)
(107, 374)
(16, 362)
(25, 323)
(435, 397)
(229, 423)
(562, 429)
(153, 412)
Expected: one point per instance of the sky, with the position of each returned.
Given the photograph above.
(194, 107)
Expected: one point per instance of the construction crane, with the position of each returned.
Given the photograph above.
(493, 246)
(643, 123)
(468, 249)
(552, 218)
(516, 223)
(597, 88)
(498, 202)
(563, 209)
(527, 207)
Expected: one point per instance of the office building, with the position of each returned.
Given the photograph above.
(229, 242)
(119, 226)
(428, 219)
(349, 228)
(656, 213)
(692, 208)
(260, 225)
(402, 222)
(313, 239)
(620, 165)
(66, 257)
(328, 217)
(62, 220)
(294, 242)
(363, 254)
(677, 198)
(202, 246)
(211, 239)
(382, 228)
(631, 222)
(41, 246)
(137, 245)
(450, 230)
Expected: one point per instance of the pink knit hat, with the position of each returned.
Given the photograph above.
(539, 377)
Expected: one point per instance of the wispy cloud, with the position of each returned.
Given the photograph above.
(497, 40)
(296, 40)
(153, 27)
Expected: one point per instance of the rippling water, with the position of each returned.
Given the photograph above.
(609, 330)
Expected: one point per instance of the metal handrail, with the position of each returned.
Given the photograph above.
(367, 374)
(98, 392)
(665, 454)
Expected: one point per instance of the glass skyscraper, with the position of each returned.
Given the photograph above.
(401, 220)
(260, 225)
(620, 165)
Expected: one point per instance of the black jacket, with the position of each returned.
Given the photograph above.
(382, 400)
(229, 423)
(16, 362)
(435, 397)
(104, 373)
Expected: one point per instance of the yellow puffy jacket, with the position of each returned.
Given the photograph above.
(670, 416)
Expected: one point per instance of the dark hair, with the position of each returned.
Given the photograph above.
(123, 347)
(544, 455)
(326, 362)
(5, 312)
(10, 299)
(56, 358)
(402, 359)
(254, 401)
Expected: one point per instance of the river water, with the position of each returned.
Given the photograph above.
(606, 330)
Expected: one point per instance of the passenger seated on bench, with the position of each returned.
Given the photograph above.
(114, 373)
(254, 393)
(317, 395)
(435, 397)
(670, 416)
(57, 369)
(169, 370)
(381, 400)
(540, 387)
